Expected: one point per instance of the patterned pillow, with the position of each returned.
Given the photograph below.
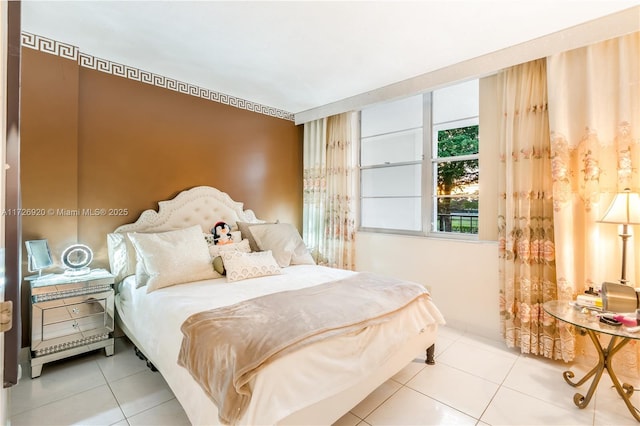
(218, 264)
(240, 266)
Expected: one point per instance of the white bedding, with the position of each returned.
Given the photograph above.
(153, 321)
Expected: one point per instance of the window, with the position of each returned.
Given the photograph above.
(391, 149)
(454, 159)
(419, 166)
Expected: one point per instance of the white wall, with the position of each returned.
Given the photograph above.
(462, 276)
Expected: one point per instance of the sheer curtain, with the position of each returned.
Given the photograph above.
(330, 188)
(594, 114)
(525, 209)
(314, 182)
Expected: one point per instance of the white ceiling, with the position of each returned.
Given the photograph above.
(301, 55)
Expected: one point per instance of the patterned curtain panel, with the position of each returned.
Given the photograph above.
(330, 184)
(594, 115)
(526, 225)
(315, 188)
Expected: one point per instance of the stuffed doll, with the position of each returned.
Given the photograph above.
(222, 234)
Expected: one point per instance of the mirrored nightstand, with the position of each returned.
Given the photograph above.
(70, 315)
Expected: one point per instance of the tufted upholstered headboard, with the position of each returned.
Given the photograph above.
(202, 205)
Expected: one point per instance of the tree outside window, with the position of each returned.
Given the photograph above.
(457, 180)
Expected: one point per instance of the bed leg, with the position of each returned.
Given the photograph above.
(140, 355)
(430, 355)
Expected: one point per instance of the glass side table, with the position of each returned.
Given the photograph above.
(592, 325)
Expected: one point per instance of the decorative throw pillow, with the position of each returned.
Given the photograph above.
(285, 242)
(242, 246)
(218, 264)
(245, 229)
(240, 266)
(172, 257)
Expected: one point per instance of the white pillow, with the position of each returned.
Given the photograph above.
(240, 266)
(172, 257)
(122, 255)
(242, 246)
(284, 240)
(245, 230)
(142, 276)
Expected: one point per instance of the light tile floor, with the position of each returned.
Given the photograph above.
(475, 382)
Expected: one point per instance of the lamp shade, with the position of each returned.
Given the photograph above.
(624, 209)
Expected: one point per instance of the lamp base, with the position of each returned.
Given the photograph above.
(625, 236)
(619, 298)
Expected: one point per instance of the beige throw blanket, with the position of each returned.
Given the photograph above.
(224, 348)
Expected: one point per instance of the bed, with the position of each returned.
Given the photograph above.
(314, 381)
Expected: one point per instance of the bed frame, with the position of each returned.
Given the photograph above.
(205, 206)
(202, 205)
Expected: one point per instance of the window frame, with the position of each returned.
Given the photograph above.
(420, 162)
(428, 180)
(432, 203)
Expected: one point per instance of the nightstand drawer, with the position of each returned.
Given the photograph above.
(76, 307)
(67, 328)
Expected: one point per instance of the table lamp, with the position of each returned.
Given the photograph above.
(624, 210)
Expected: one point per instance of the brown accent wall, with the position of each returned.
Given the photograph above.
(92, 141)
(49, 147)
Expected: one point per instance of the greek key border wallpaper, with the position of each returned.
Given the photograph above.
(68, 51)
